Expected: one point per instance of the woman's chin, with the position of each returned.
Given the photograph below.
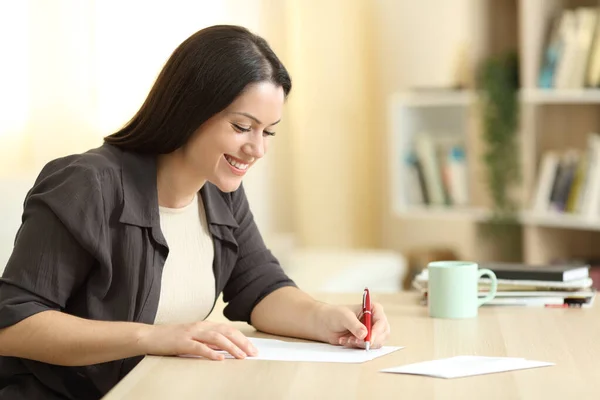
(229, 185)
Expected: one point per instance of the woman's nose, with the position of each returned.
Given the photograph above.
(255, 147)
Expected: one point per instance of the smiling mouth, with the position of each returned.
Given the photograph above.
(234, 162)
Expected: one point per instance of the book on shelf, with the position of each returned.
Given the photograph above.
(571, 55)
(436, 172)
(577, 293)
(569, 181)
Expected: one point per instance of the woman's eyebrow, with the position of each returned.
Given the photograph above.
(252, 117)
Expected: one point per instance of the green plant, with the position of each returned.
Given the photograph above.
(498, 87)
(498, 84)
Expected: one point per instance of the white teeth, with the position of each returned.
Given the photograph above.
(235, 163)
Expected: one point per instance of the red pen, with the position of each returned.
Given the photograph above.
(366, 314)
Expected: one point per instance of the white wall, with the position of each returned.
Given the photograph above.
(418, 41)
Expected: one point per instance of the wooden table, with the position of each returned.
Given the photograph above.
(568, 337)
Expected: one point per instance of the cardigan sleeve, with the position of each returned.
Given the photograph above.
(257, 272)
(51, 258)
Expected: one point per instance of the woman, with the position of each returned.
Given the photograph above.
(123, 249)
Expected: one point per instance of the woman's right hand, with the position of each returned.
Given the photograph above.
(198, 339)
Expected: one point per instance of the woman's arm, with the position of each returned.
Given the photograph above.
(290, 312)
(57, 338)
(258, 291)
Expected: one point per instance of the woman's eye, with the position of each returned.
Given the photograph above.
(267, 133)
(240, 128)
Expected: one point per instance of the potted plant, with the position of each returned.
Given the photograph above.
(498, 88)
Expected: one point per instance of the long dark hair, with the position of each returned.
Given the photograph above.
(201, 78)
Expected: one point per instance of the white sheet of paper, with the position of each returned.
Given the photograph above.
(278, 350)
(456, 367)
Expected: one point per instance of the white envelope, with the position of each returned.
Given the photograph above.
(460, 366)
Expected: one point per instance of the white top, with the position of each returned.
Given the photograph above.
(187, 290)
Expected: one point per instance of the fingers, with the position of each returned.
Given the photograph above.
(238, 338)
(353, 324)
(203, 350)
(380, 331)
(381, 328)
(224, 337)
(343, 340)
(214, 339)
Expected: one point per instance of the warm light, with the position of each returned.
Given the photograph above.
(73, 71)
(132, 41)
(14, 69)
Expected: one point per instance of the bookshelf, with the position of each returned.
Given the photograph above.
(572, 96)
(552, 119)
(556, 118)
(440, 118)
(557, 220)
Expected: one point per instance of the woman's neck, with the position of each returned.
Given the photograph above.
(176, 185)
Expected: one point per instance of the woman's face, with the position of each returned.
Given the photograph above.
(226, 146)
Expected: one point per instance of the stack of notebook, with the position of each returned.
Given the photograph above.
(562, 285)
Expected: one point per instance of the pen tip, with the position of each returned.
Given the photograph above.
(367, 346)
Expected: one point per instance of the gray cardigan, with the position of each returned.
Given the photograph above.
(90, 245)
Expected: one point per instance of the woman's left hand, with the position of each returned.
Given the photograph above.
(342, 326)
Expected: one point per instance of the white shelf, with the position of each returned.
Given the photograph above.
(562, 96)
(444, 213)
(435, 98)
(557, 220)
(530, 218)
(466, 98)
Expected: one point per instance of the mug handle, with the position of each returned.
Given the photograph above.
(493, 287)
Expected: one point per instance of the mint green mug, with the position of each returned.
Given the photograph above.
(453, 289)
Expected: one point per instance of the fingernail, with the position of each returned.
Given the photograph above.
(241, 354)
